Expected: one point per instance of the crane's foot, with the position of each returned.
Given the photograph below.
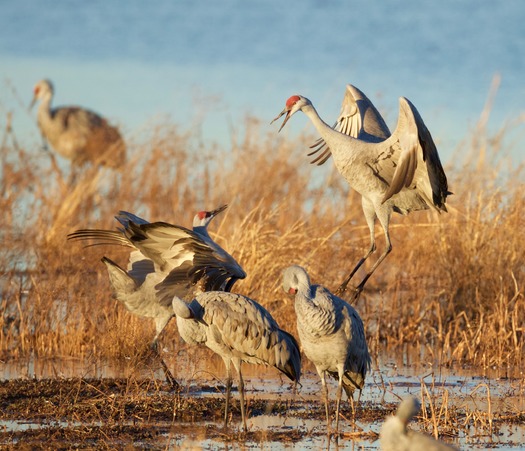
(170, 379)
(342, 288)
(172, 382)
(353, 294)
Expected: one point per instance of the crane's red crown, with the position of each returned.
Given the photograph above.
(291, 101)
(202, 214)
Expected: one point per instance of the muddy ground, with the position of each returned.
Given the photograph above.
(82, 413)
(122, 414)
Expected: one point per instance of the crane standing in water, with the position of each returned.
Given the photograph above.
(167, 260)
(239, 330)
(332, 336)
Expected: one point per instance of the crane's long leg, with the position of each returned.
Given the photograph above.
(338, 401)
(241, 394)
(342, 287)
(384, 218)
(370, 216)
(228, 391)
(170, 379)
(325, 393)
(381, 258)
(167, 374)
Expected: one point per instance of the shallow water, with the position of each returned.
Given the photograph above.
(465, 390)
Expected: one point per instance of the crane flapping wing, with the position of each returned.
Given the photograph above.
(418, 161)
(210, 269)
(358, 118)
(186, 257)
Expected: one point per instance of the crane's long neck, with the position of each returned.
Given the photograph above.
(333, 139)
(321, 126)
(181, 309)
(303, 298)
(202, 230)
(44, 108)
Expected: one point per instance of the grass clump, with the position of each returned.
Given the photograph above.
(452, 287)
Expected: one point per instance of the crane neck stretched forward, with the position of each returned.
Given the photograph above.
(334, 139)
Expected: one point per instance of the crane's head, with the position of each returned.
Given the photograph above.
(295, 279)
(293, 104)
(44, 88)
(408, 409)
(203, 218)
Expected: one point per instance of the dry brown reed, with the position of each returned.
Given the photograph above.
(452, 288)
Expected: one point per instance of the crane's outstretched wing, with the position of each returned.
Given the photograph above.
(358, 118)
(186, 257)
(102, 237)
(418, 163)
(185, 260)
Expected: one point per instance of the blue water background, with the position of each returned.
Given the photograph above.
(207, 63)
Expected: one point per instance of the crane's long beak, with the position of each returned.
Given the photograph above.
(218, 210)
(32, 104)
(285, 111)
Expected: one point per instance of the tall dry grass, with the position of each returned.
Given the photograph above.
(452, 288)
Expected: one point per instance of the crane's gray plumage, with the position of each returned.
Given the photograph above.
(167, 260)
(76, 133)
(183, 262)
(401, 173)
(239, 330)
(332, 335)
(358, 118)
(395, 436)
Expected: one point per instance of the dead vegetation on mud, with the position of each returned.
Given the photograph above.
(79, 413)
(123, 413)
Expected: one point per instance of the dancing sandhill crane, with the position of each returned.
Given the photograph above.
(166, 260)
(395, 436)
(332, 335)
(399, 174)
(358, 118)
(238, 329)
(76, 133)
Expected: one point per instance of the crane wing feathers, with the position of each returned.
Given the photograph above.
(322, 317)
(358, 118)
(205, 272)
(183, 262)
(250, 332)
(100, 237)
(125, 218)
(406, 166)
(139, 267)
(418, 164)
(167, 245)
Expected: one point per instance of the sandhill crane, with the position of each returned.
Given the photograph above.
(399, 174)
(358, 118)
(167, 260)
(239, 330)
(76, 133)
(332, 335)
(394, 435)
